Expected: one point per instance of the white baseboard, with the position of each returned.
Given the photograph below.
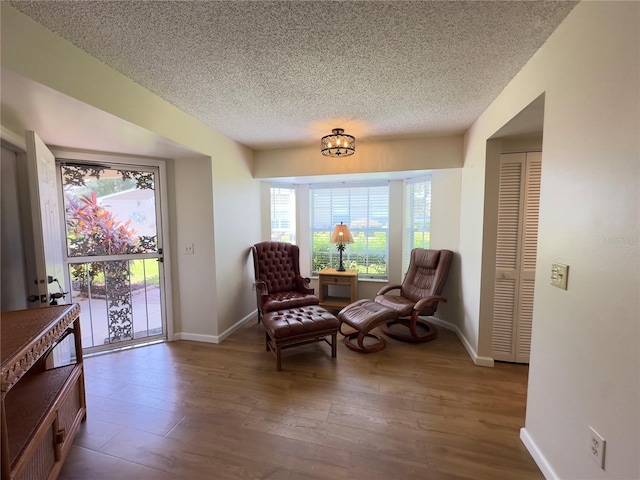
(478, 360)
(197, 337)
(251, 316)
(537, 455)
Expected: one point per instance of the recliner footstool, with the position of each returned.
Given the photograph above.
(364, 316)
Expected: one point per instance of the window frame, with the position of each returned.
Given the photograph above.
(409, 225)
(291, 231)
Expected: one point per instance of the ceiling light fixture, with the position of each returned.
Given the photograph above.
(338, 144)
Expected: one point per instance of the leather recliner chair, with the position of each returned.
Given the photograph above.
(420, 292)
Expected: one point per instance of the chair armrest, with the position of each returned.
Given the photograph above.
(302, 285)
(388, 288)
(427, 301)
(261, 287)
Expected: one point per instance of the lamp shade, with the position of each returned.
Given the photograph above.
(341, 235)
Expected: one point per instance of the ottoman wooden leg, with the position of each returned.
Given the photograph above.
(334, 345)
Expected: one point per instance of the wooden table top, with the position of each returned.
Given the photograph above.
(28, 334)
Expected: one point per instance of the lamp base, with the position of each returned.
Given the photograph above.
(341, 267)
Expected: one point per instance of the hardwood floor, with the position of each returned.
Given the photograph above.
(186, 410)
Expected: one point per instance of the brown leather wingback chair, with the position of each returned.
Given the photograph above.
(420, 293)
(279, 284)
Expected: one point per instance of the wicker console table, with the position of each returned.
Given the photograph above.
(43, 396)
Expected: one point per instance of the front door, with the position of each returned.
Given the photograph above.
(47, 239)
(114, 252)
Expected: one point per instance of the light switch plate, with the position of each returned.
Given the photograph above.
(559, 275)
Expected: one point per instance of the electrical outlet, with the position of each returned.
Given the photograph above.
(188, 249)
(597, 447)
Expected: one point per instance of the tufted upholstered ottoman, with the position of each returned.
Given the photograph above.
(364, 316)
(299, 326)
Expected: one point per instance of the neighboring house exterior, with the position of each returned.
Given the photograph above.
(585, 359)
(135, 205)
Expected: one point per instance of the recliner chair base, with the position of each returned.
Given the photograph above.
(416, 332)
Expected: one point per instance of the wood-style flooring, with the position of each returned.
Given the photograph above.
(186, 410)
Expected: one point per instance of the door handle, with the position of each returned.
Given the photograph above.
(33, 298)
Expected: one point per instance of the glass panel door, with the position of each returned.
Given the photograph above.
(114, 253)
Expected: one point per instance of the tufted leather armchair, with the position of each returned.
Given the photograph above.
(420, 293)
(279, 284)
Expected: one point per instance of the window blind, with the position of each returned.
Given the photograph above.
(365, 210)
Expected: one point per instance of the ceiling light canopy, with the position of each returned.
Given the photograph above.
(338, 144)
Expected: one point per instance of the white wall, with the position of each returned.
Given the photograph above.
(192, 221)
(445, 234)
(237, 227)
(585, 363)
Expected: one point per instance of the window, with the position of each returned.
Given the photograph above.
(283, 214)
(418, 217)
(365, 209)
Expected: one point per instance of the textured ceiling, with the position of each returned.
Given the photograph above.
(269, 73)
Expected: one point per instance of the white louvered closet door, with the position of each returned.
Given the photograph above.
(518, 208)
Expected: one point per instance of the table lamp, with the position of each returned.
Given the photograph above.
(341, 236)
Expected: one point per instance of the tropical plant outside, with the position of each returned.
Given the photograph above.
(94, 230)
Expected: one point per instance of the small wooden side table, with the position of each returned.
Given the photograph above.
(43, 399)
(337, 289)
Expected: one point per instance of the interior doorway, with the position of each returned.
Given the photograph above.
(523, 133)
(14, 292)
(516, 252)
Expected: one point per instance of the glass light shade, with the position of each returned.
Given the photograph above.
(341, 235)
(338, 144)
